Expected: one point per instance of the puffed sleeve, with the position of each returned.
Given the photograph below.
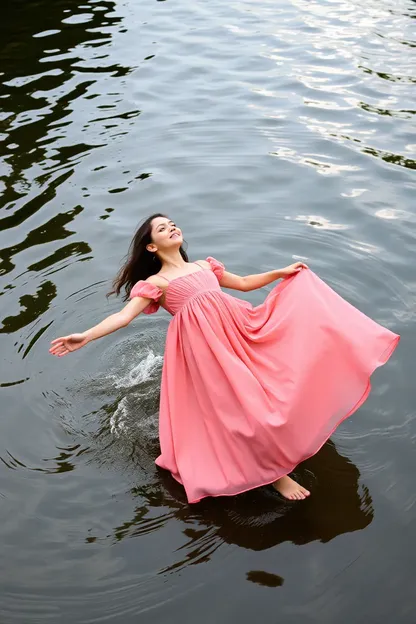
(148, 291)
(217, 267)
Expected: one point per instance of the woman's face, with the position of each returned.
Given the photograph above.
(165, 235)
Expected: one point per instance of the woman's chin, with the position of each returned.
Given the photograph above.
(175, 243)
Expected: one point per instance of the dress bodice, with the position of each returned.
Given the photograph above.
(182, 289)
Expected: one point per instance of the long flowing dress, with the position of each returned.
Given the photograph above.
(250, 392)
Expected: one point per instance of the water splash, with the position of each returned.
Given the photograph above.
(118, 419)
(144, 371)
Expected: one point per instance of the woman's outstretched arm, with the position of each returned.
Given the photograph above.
(66, 344)
(252, 282)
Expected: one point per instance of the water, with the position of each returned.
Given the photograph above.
(269, 132)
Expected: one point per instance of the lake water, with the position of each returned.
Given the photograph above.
(271, 132)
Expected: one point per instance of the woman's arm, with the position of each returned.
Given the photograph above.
(66, 344)
(252, 282)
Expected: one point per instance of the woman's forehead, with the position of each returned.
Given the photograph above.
(159, 220)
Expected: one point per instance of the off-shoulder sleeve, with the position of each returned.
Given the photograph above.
(217, 267)
(148, 291)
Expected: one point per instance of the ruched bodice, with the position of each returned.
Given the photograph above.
(180, 290)
(183, 290)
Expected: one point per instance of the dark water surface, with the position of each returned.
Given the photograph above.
(270, 131)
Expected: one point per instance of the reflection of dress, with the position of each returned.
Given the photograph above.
(250, 392)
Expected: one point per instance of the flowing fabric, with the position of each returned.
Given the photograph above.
(250, 392)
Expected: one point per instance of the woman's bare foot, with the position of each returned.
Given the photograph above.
(290, 489)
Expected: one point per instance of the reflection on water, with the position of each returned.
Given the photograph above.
(260, 519)
(269, 131)
(265, 578)
(40, 154)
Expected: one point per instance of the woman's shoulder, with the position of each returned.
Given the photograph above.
(157, 280)
(203, 263)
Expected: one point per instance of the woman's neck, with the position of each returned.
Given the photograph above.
(172, 260)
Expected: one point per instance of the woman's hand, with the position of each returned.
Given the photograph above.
(67, 344)
(292, 269)
(73, 342)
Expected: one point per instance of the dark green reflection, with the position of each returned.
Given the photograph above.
(64, 461)
(27, 68)
(266, 579)
(73, 249)
(388, 77)
(52, 230)
(13, 383)
(33, 205)
(403, 114)
(394, 159)
(33, 307)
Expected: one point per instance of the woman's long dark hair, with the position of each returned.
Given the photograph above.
(140, 263)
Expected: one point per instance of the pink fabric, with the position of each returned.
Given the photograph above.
(250, 392)
(148, 291)
(217, 267)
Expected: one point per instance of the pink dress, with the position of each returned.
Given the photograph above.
(250, 392)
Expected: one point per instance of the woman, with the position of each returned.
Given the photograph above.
(247, 392)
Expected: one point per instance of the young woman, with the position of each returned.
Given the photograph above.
(247, 392)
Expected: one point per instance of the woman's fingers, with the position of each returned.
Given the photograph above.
(61, 340)
(57, 346)
(60, 351)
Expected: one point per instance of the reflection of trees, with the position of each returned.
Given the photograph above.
(258, 519)
(266, 579)
(23, 20)
(388, 157)
(60, 463)
(28, 115)
(33, 306)
(52, 230)
(43, 74)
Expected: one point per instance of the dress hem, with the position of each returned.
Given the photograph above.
(383, 358)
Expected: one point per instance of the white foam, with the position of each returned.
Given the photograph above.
(118, 419)
(144, 371)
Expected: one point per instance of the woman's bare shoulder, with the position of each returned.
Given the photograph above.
(157, 280)
(203, 263)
